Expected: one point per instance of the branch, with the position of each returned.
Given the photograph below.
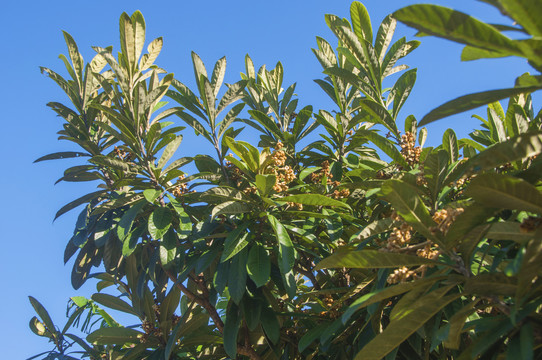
(204, 303)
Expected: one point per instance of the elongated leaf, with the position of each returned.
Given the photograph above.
(525, 12)
(258, 265)
(385, 145)
(409, 205)
(315, 200)
(43, 314)
(159, 222)
(456, 26)
(370, 259)
(435, 169)
(114, 335)
(217, 77)
(384, 36)
(361, 22)
(385, 293)
(516, 148)
(449, 143)
(235, 242)
(504, 191)
(153, 49)
(231, 207)
(231, 328)
(456, 325)
(380, 115)
(401, 90)
(61, 155)
(401, 328)
(472, 101)
(125, 223)
(376, 227)
(114, 302)
(508, 231)
(270, 324)
(38, 328)
(83, 199)
(169, 151)
(286, 247)
(265, 183)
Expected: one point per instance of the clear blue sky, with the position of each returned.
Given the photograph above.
(31, 257)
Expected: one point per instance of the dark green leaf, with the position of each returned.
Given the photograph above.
(472, 101)
(114, 335)
(258, 265)
(315, 200)
(366, 259)
(114, 302)
(505, 191)
(159, 222)
(286, 247)
(231, 328)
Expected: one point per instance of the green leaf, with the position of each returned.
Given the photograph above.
(153, 50)
(248, 153)
(312, 335)
(508, 230)
(525, 12)
(456, 26)
(43, 314)
(409, 205)
(361, 22)
(75, 203)
(384, 36)
(379, 115)
(401, 90)
(516, 148)
(170, 149)
(472, 101)
(435, 169)
(258, 265)
(61, 155)
(385, 145)
(114, 336)
(505, 191)
(237, 277)
(270, 324)
(231, 207)
(38, 328)
(286, 247)
(159, 222)
(114, 302)
(386, 293)
(314, 200)
(457, 322)
(231, 329)
(401, 328)
(366, 259)
(125, 223)
(235, 242)
(449, 143)
(265, 183)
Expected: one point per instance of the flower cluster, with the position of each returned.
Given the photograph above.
(317, 176)
(340, 194)
(180, 187)
(399, 236)
(410, 152)
(530, 223)
(123, 154)
(400, 275)
(445, 218)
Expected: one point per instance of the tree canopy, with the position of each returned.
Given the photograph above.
(335, 235)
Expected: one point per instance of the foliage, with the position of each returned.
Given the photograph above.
(330, 251)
